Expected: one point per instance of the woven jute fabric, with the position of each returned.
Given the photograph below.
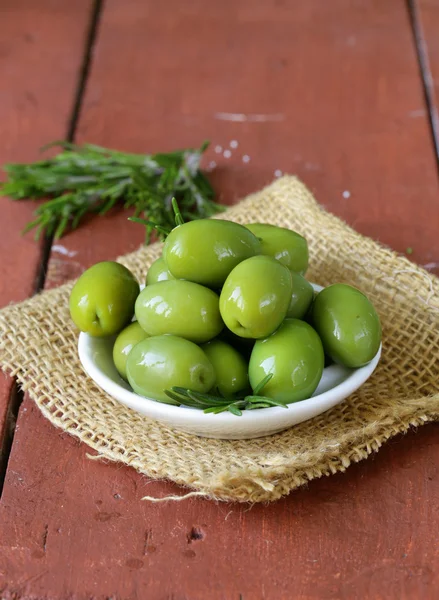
(38, 344)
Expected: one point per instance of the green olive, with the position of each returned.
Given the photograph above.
(231, 369)
(125, 342)
(158, 271)
(255, 297)
(102, 300)
(348, 325)
(294, 357)
(301, 297)
(181, 308)
(206, 250)
(286, 246)
(158, 363)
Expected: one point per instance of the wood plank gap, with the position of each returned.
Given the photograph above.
(425, 69)
(85, 68)
(16, 398)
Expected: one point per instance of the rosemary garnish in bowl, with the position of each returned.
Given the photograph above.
(210, 403)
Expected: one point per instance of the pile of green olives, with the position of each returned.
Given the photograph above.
(225, 306)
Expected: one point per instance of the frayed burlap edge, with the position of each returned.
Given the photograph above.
(38, 346)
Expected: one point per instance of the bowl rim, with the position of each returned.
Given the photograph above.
(263, 417)
(159, 410)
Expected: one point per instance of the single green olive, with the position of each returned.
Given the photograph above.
(231, 369)
(125, 342)
(348, 325)
(181, 308)
(301, 297)
(206, 250)
(255, 297)
(102, 300)
(158, 363)
(294, 357)
(158, 271)
(285, 245)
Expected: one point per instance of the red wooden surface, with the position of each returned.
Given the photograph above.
(76, 528)
(325, 90)
(41, 47)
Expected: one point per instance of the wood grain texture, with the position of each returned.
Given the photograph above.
(76, 528)
(41, 47)
(324, 90)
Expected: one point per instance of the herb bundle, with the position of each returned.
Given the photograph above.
(91, 179)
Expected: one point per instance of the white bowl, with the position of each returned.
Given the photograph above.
(337, 383)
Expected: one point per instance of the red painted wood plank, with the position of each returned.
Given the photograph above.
(323, 91)
(76, 528)
(214, 71)
(41, 48)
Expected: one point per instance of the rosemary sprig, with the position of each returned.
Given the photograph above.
(162, 231)
(210, 403)
(91, 179)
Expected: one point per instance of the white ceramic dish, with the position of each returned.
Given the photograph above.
(337, 383)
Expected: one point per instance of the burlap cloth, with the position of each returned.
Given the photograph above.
(38, 344)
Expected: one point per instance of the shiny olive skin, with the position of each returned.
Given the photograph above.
(102, 300)
(125, 342)
(158, 363)
(294, 356)
(301, 297)
(181, 308)
(285, 245)
(348, 325)
(206, 250)
(158, 271)
(231, 369)
(255, 297)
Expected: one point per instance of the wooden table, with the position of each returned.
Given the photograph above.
(342, 93)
